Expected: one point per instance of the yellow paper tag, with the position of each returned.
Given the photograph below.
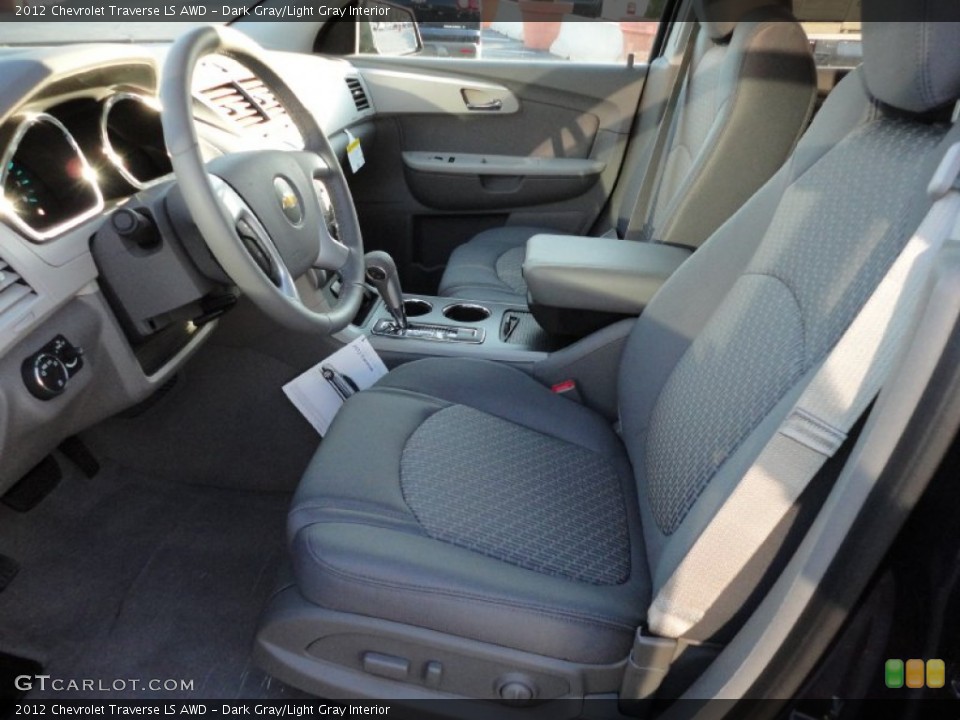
(354, 152)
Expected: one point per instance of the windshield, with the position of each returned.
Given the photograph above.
(54, 33)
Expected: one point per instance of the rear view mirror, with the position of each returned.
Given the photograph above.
(385, 29)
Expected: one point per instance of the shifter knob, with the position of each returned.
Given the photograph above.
(382, 274)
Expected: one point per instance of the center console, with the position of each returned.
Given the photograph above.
(461, 328)
(403, 327)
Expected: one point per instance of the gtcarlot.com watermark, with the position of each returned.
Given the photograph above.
(43, 683)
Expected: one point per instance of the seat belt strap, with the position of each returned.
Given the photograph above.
(638, 219)
(840, 391)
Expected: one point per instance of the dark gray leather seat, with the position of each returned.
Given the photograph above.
(463, 500)
(749, 92)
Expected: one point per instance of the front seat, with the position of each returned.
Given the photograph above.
(463, 530)
(745, 101)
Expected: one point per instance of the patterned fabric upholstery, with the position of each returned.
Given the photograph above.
(812, 273)
(509, 269)
(514, 494)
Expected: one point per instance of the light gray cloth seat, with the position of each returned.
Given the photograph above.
(745, 101)
(414, 519)
(463, 497)
(489, 266)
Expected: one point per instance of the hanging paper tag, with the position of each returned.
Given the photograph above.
(354, 152)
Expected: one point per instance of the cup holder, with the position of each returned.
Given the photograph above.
(466, 312)
(415, 307)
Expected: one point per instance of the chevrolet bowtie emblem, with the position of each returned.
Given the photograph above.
(289, 200)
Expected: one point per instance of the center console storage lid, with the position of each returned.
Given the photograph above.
(599, 274)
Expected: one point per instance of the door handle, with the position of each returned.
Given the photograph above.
(476, 100)
(491, 106)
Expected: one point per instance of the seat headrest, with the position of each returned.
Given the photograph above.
(719, 18)
(911, 53)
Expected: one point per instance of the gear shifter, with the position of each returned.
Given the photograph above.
(382, 274)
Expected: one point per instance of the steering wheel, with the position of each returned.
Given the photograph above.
(260, 212)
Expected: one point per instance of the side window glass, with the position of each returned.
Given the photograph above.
(834, 30)
(592, 31)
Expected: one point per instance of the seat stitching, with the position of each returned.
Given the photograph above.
(793, 296)
(356, 506)
(413, 529)
(565, 616)
(449, 403)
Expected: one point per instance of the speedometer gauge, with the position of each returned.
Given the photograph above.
(24, 191)
(48, 186)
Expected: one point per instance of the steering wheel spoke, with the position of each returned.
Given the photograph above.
(255, 238)
(331, 253)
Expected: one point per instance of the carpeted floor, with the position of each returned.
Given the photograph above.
(128, 576)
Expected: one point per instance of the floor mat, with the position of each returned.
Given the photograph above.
(124, 577)
(12, 668)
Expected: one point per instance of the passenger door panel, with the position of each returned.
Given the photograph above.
(439, 172)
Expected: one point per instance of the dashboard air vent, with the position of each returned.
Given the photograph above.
(359, 94)
(16, 295)
(263, 97)
(236, 104)
(253, 106)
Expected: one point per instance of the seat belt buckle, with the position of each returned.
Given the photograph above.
(567, 389)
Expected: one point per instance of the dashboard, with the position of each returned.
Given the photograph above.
(63, 164)
(93, 317)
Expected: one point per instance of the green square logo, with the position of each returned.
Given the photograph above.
(893, 673)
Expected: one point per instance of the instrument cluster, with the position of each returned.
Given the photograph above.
(61, 166)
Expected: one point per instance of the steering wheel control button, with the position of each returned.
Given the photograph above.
(290, 202)
(47, 372)
(249, 239)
